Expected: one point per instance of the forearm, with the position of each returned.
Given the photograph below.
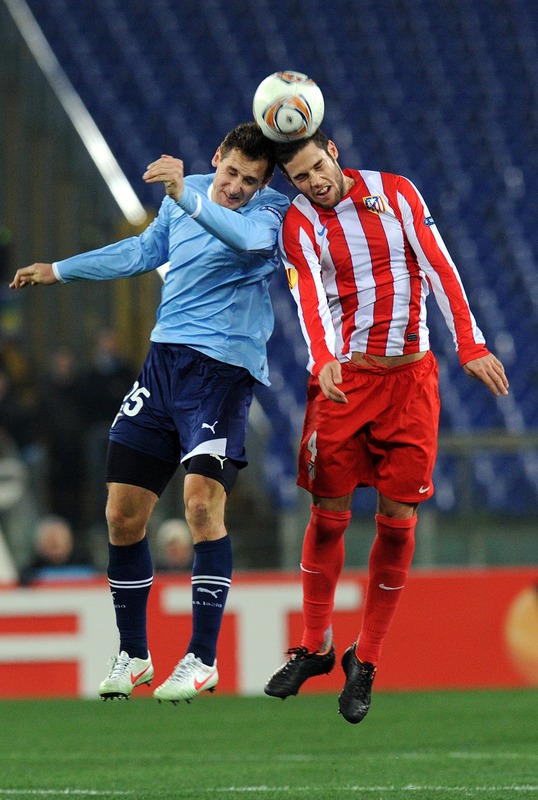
(120, 260)
(234, 229)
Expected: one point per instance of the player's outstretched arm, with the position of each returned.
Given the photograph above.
(36, 273)
(490, 371)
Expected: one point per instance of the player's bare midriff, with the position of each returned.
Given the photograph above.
(368, 360)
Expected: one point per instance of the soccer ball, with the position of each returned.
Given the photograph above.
(288, 106)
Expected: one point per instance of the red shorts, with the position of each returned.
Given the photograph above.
(385, 436)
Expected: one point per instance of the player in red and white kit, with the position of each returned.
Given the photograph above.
(362, 252)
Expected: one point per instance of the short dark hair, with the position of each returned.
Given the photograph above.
(285, 151)
(250, 141)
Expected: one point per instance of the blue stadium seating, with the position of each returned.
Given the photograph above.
(445, 93)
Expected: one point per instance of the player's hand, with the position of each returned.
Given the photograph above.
(330, 375)
(490, 371)
(36, 273)
(167, 170)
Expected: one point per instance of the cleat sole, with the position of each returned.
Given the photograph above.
(185, 699)
(106, 697)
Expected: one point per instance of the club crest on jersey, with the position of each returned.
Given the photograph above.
(375, 204)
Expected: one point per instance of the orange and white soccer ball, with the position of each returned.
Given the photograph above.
(288, 106)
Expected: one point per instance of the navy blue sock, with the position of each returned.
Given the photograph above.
(130, 575)
(211, 578)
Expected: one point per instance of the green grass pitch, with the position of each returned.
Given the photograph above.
(412, 746)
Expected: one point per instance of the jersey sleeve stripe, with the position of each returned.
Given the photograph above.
(299, 253)
(442, 273)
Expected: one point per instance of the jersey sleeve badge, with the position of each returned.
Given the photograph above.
(293, 277)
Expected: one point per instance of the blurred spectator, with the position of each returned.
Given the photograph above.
(107, 379)
(103, 385)
(21, 454)
(54, 558)
(6, 267)
(14, 359)
(174, 547)
(18, 413)
(63, 430)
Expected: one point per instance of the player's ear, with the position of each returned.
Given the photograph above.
(332, 149)
(216, 158)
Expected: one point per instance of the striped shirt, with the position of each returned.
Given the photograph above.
(360, 273)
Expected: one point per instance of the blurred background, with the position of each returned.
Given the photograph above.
(445, 93)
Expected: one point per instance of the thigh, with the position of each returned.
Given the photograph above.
(129, 466)
(186, 404)
(403, 441)
(333, 457)
(128, 510)
(144, 421)
(218, 468)
(130, 501)
(210, 409)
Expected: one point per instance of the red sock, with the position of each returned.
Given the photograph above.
(321, 564)
(389, 563)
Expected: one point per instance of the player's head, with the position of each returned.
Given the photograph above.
(286, 151)
(250, 141)
(244, 163)
(311, 166)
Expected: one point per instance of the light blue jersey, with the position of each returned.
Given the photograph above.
(215, 296)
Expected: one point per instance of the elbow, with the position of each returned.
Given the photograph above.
(260, 246)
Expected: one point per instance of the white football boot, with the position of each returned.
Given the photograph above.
(190, 678)
(125, 673)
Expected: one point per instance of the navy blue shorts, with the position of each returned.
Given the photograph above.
(185, 404)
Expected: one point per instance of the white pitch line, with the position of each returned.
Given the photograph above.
(336, 790)
(410, 756)
(149, 755)
(497, 756)
(63, 792)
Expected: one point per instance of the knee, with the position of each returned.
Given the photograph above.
(204, 509)
(397, 530)
(326, 526)
(124, 526)
(198, 510)
(204, 515)
(394, 509)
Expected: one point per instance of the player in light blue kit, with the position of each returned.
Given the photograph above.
(190, 404)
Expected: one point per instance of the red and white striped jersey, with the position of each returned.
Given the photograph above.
(360, 273)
